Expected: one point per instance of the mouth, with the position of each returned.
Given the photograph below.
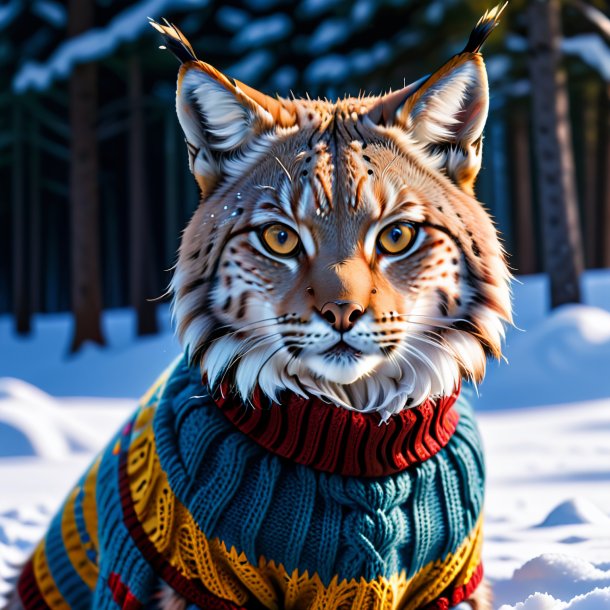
(341, 349)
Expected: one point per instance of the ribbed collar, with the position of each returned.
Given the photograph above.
(342, 441)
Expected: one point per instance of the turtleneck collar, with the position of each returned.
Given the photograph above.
(333, 439)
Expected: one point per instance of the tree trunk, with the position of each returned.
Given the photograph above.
(562, 246)
(591, 166)
(604, 175)
(140, 235)
(525, 244)
(84, 193)
(36, 238)
(22, 307)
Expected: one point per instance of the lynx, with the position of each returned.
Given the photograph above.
(310, 450)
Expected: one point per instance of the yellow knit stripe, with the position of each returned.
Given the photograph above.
(457, 569)
(228, 574)
(46, 584)
(75, 549)
(89, 504)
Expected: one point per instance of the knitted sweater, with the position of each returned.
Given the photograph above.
(304, 506)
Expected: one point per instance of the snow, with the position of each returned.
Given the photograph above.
(592, 50)
(52, 12)
(330, 68)
(562, 360)
(8, 12)
(575, 512)
(124, 370)
(232, 18)
(252, 66)
(96, 43)
(265, 30)
(335, 68)
(362, 11)
(316, 8)
(330, 33)
(544, 418)
(284, 78)
(589, 48)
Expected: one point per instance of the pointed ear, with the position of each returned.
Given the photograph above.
(219, 115)
(446, 112)
(447, 115)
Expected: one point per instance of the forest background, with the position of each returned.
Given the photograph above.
(93, 168)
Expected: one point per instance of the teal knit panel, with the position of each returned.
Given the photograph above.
(304, 519)
(117, 552)
(69, 583)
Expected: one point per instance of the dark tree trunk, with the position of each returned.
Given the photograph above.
(36, 239)
(84, 193)
(22, 307)
(590, 169)
(525, 249)
(604, 175)
(562, 247)
(140, 235)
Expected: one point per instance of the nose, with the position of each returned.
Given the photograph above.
(342, 315)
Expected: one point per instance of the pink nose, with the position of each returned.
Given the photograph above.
(342, 315)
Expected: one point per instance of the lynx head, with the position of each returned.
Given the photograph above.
(338, 249)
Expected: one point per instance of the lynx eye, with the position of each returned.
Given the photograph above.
(396, 238)
(280, 239)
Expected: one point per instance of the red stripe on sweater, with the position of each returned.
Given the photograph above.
(28, 590)
(457, 595)
(122, 595)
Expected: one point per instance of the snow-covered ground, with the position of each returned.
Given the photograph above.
(545, 420)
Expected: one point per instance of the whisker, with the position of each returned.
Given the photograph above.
(251, 346)
(445, 347)
(284, 168)
(434, 318)
(249, 326)
(398, 354)
(424, 360)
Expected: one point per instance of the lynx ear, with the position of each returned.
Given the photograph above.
(446, 112)
(447, 116)
(219, 115)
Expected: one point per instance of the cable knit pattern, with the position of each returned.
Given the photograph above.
(184, 496)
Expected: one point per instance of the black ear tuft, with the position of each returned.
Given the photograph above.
(484, 27)
(175, 41)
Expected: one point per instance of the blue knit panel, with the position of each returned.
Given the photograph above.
(467, 462)
(285, 529)
(76, 593)
(117, 551)
(324, 533)
(307, 520)
(247, 517)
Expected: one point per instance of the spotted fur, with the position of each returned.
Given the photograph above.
(337, 173)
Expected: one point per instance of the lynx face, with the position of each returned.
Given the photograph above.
(338, 249)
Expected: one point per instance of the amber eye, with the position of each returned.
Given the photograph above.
(280, 239)
(396, 238)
